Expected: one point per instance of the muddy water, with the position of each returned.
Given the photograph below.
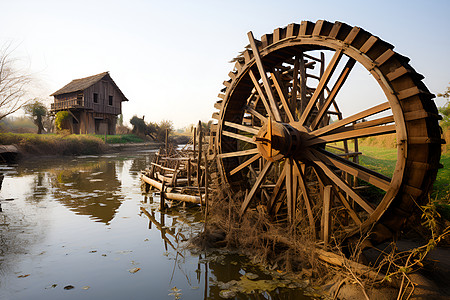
(73, 228)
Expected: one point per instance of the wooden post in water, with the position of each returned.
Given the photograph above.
(194, 139)
(162, 205)
(199, 160)
(206, 189)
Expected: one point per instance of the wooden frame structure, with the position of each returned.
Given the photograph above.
(181, 175)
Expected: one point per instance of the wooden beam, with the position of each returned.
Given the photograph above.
(343, 185)
(238, 136)
(264, 78)
(332, 96)
(242, 127)
(321, 86)
(255, 113)
(238, 153)
(358, 116)
(281, 93)
(245, 164)
(370, 176)
(260, 93)
(258, 181)
(326, 213)
(302, 183)
(351, 134)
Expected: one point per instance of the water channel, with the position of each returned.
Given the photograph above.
(74, 228)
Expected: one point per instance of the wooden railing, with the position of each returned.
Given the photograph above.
(66, 104)
(80, 103)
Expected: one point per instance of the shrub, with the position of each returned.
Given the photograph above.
(61, 119)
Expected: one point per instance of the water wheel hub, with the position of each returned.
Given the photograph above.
(276, 141)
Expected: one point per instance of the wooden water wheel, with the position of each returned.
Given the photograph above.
(292, 117)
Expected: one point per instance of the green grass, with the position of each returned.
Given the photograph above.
(54, 144)
(120, 138)
(383, 160)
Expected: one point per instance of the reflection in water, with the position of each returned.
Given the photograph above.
(124, 231)
(91, 190)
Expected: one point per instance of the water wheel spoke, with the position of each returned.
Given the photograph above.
(249, 129)
(264, 78)
(321, 86)
(275, 76)
(295, 74)
(246, 163)
(358, 116)
(352, 134)
(238, 153)
(277, 188)
(342, 185)
(260, 92)
(325, 181)
(252, 111)
(289, 189)
(306, 199)
(363, 173)
(238, 137)
(332, 95)
(258, 182)
(350, 210)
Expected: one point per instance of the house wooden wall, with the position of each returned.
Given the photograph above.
(104, 89)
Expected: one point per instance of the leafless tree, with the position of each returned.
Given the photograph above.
(14, 82)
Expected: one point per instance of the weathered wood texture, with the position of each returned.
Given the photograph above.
(274, 137)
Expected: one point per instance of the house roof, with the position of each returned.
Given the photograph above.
(83, 83)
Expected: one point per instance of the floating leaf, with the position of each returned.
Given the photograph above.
(69, 287)
(175, 289)
(251, 275)
(23, 276)
(134, 270)
(52, 286)
(227, 294)
(86, 287)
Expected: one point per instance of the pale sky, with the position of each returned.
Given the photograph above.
(170, 58)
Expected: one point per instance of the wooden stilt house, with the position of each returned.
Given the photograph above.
(93, 102)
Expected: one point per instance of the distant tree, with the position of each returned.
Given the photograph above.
(120, 120)
(161, 130)
(139, 126)
(14, 83)
(38, 112)
(445, 109)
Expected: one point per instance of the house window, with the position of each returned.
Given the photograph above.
(95, 98)
(110, 100)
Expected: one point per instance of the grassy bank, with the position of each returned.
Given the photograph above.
(120, 138)
(54, 144)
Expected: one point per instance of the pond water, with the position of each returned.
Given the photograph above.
(80, 228)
